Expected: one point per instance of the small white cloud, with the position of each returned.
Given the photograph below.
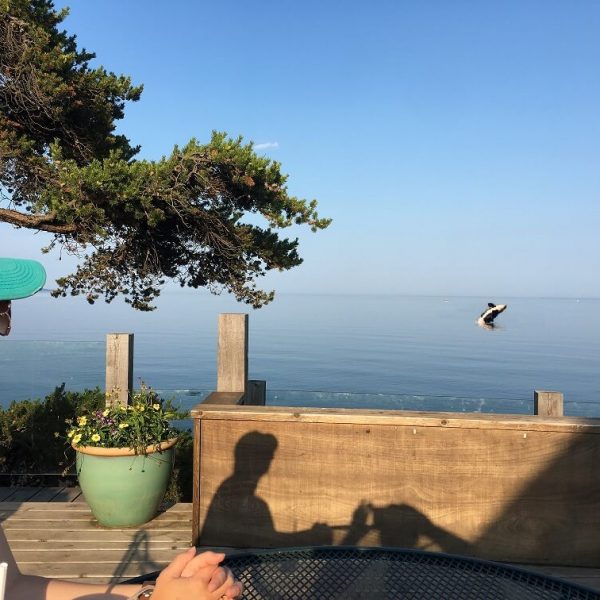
(266, 145)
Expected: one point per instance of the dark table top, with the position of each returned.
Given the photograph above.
(336, 573)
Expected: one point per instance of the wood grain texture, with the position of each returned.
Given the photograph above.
(63, 540)
(232, 353)
(196, 465)
(548, 404)
(119, 367)
(506, 489)
(447, 420)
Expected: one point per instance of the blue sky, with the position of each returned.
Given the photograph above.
(455, 144)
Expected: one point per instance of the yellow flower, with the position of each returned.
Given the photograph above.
(95, 438)
(156, 406)
(77, 439)
(70, 434)
(105, 412)
(123, 425)
(81, 421)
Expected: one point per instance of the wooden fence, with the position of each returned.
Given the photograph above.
(512, 488)
(503, 487)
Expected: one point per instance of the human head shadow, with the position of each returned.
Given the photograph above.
(237, 514)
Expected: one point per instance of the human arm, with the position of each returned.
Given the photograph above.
(29, 587)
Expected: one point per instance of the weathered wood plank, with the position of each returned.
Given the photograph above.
(45, 506)
(548, 404)
(498, 493)
(398, 418)
(52, 536)
(43, 494)
(583, 576)
(232, 353)
(589, 582)
(119, 368)
(196, 465)
(19, 494)
(70, 494)
(51, 545)
(142, 552)
(78, 511)
(66, 524)
(22, 494)
(7, 492)
(107, 571)
(63, 540)
(47, 494)
(12, 519)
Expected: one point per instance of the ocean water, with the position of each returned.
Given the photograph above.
(418, 353)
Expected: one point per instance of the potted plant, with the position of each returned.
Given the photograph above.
(124, 458)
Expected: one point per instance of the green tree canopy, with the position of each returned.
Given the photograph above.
(134, 223)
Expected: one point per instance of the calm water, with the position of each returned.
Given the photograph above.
(377, 351)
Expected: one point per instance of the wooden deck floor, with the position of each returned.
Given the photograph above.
(53, 533)
(40, 494)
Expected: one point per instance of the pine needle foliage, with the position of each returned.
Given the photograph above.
(206, 215)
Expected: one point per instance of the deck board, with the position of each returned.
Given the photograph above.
(583, 576)
(61, 539)
(7, 492)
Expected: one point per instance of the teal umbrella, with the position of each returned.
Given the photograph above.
(19, 278)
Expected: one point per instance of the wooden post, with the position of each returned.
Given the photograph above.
(197, 447)
(119, 368)
(256, 395)
(232, 376)
(232, 353)
(548, 404)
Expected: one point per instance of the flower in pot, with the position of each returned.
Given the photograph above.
(124, 458)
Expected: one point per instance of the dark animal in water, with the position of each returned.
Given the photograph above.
(491, 312)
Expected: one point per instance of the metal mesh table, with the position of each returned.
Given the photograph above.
(336, 573)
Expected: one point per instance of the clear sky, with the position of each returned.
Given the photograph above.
(456, 144)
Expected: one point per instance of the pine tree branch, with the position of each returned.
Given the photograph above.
(45, 222)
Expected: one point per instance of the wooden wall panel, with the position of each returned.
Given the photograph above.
(503, 494)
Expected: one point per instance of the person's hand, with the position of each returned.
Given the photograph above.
(208, 563)
(361, 514)
(204, 579)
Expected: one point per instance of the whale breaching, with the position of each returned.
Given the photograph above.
(490, 313)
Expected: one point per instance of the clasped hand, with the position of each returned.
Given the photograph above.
(192, 576)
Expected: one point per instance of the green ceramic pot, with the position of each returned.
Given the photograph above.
(121, 488)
